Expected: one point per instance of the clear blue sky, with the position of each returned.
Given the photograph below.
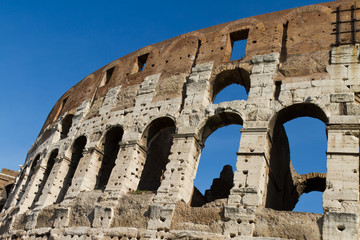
(48, 46)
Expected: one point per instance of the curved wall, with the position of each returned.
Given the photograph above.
(119, 151)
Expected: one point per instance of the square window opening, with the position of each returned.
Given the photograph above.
(61, 107)
(107, 76)
(141, 61)
(238, 44)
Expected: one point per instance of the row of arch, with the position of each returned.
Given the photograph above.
(158, 140)
(149, 179)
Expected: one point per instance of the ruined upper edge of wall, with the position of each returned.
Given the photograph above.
(302, 35)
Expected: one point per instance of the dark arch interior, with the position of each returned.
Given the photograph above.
(4, 195)
(315, 184)
(77, 154)
(159, 139)
(285, 185)
(49, 166)
(235, 76)
(111, 150)
(66, 125)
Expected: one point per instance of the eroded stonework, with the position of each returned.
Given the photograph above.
(118, 153)
(7, 178)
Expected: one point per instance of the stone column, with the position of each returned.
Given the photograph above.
(84, 178)
(32, 188)
(19, 184)
(178, 182)
(341, 197)
(249, 182)
(54, 183)
(181, 170)
(251, 169)
(126, 173)
(262, 81)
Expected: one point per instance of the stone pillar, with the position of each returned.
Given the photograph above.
(251, 169)
(181, 170)
(341, 197)
(126, 173)
(249, 182)
(178, 182)
(262, 81)
(84, 178)
(32, 188)
(19, 185)
(197, 87)
(54, 183)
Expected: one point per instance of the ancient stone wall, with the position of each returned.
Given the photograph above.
(118, 153)
(7, 178)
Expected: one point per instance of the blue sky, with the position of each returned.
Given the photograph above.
(48, 46)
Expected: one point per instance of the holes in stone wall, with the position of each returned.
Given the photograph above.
(238, 44)
(66, 125)
(77, 154)
(283, 53)
(277, 90)
(288, 180)
(340, 228)
(107, 76)
(49, 165)
(158, 140)
(111, 150)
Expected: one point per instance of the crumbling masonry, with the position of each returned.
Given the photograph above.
(118, 153)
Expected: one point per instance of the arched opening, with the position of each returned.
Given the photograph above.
(297, 158)
(66, 125)
(215, 173)
(4, 195)
(111, 150)
(231, 93)
(29, 177)
(77, 154)
(237, 76)
(158, 139)
(49, 166)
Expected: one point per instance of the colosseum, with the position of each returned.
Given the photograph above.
(118, 153)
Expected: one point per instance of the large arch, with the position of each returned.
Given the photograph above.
(217, 121)
(224, 177)
(158, 139)
(110, 147)
(30, 175)
(297, 110)
(225, 78)
(66, 125)
(77, 153)
(49, 166)
(285, 185)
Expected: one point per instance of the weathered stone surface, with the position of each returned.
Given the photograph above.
(282, 224)
(118, 154)
(207, 219)
(7, 178)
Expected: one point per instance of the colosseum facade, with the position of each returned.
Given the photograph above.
(117, 156)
